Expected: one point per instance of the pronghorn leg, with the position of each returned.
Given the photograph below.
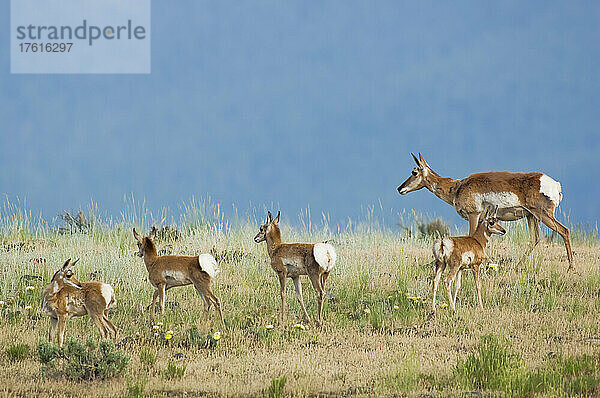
(217, 304)
(324, 280)
(161, 297)
(282, 276)
(201, 289)
(439, 268)
(52, 333)
(448, 283)
(315, 278)
(154, 297)
(209, 299)
(473, 222)
(62, 320)
(298, 287)
(97, 318)
(457, 286)
(477, 285)
(563, 231)
(109, 325)
(534, 237)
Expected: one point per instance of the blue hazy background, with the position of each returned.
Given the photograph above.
(305, 103)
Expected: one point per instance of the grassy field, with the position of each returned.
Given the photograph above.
(538, 334)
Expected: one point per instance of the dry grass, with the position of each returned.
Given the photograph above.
(392, 349)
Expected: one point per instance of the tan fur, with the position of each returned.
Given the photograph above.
(464, 252)
(161, 268)
(466, 197)
(61, 300)
(290, 260)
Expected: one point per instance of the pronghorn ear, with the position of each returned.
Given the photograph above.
(137, 236)
(152, 233)
(422, 161)
(276, 221)
(487, 213)
(416, 160)
(495, 211)
(66, 264)
(269, 217)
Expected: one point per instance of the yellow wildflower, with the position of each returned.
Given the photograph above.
(300, 326)
(168, 335)
(28, 308)
(269, 327)
(493, 266)
(216, 336)
(445, 305)
(396, 307)
(29, 288)
(367, 311)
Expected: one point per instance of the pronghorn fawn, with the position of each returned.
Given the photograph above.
(290, 260)
(463, 252)
(534, 196)
(166, 272)
(66, 297)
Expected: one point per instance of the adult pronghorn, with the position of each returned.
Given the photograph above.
(517, 195)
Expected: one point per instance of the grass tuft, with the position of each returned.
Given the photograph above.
(17, 352)
(276, 387)
(174, 371)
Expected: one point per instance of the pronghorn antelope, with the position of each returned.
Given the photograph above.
(290, 260)
(65, 297)
(462, 252)
(165, 272)
(517, 195)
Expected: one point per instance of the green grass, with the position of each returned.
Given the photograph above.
(277, 386)
(17, 352)
(174, 371)
(377, 337)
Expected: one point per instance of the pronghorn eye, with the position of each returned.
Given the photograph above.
(414, 172)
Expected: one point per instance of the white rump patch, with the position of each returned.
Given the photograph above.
(468, 257)
(325, 255)
(501, 199)
(208, 264)
(443, 252)
(551, 189)
(109, 295)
